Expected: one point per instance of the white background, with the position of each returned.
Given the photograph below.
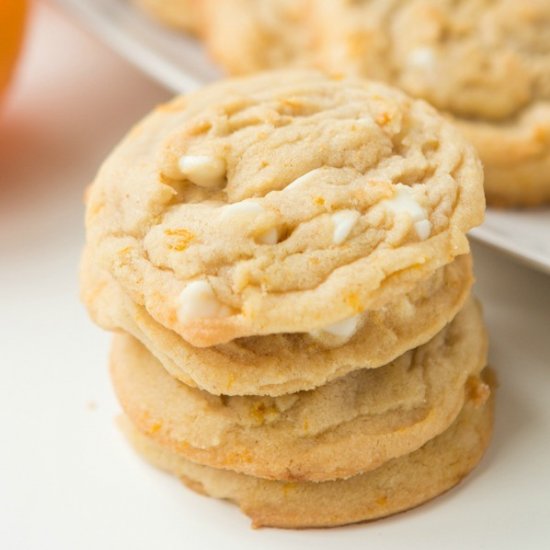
(67, 479)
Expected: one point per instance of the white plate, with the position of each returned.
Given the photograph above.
(179, 62)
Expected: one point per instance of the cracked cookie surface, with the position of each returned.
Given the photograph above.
(281, 203)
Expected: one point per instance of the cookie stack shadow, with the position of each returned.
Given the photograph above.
(327, 423)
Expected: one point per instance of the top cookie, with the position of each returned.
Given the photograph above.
(484, 62)
(280, 203)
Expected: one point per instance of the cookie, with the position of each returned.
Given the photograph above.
(348, 426)
(281, 203)
(180, 14)
(247, 36)
(485, 64)
(396, 486)
(286, 363)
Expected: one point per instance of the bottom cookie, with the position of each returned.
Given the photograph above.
(398, 485)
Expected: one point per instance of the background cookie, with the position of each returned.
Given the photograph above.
(398, 485)
(202, 218)
(247, 36)
(351, 425)
(182, 14)
(485, 64)
(285, 363)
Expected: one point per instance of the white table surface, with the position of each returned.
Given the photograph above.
(67, 479)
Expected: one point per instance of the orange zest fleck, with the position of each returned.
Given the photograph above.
(319, 201)
(260, 411)
(383, 118)
(233, 457)
(184, 238)
(156, 427)
(352, 300)
(288, 487)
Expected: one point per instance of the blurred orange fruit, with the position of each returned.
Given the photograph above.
(12, 22)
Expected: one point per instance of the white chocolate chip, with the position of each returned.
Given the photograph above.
(342, 330)
(303, 179)
(343, 222)
(422, 58)
(423, 229)
(242, 210)
(271, 236)
(203, 170)
(404, 202)
(198, 301)
(366, 120)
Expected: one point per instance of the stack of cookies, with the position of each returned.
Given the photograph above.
(283, 258)
(486, 65)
